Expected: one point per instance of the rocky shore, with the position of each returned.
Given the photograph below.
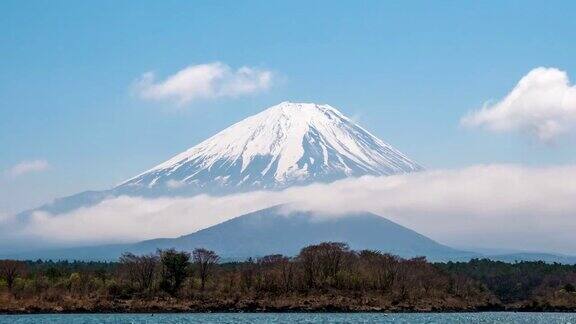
(316, 303)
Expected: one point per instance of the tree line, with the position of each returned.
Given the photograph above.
(325, 273)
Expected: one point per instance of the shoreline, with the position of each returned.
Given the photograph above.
(273, 310)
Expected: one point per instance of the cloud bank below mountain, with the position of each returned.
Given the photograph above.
(492, 206)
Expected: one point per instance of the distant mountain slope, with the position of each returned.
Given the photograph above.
(272, 231)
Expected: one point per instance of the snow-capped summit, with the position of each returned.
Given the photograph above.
(290, 143)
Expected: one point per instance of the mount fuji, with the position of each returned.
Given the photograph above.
(284, 145)
(288, 144)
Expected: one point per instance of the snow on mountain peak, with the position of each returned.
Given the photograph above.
(289, 143)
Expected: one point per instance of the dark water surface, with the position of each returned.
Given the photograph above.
(297, 318)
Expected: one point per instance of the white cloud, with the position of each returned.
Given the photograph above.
(204, 81)
(542, 104)
(496, 206)
(175, 184)
(5, 218)
(25, 167)
(125, 219)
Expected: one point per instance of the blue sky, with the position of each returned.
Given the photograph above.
(407, 70)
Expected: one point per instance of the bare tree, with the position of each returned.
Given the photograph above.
(380, 268)
(286, 271)
(140, 269)
(323, 261)
(275, 272)
(10, 270)
(247, 271)
(204, 261)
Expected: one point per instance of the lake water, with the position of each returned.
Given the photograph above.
(296, 318)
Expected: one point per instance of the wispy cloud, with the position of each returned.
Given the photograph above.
(500, 206)
(5, 218)
(25, 167)
(542, 104)
(174, 184)
(204, 81)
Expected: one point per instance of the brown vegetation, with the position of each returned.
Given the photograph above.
(324, 277)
